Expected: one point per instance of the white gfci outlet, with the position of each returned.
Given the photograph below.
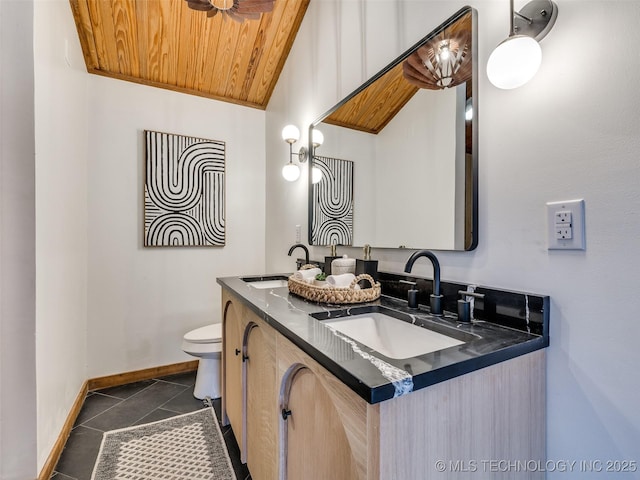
(563, 216)
(565, 225)
(298, 234)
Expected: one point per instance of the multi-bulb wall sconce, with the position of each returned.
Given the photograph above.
(291, 171)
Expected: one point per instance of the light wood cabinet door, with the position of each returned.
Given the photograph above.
(261, 401)
(316, 444)
(232, 401)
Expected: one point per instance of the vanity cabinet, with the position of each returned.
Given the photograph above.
(299, 421)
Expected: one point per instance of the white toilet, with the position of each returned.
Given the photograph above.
(205, 343)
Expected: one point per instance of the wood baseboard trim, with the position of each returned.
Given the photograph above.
(138, 375)
(105, 382)
(60, 442)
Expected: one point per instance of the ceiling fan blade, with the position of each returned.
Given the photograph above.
(254, 9)
(240, 11)
(256, 2)
(200, 5)
(204, 3)
(262, 6)
(234, 16)
(245, 15)
(251, 16)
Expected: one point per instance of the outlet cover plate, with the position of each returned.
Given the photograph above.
(556, 210)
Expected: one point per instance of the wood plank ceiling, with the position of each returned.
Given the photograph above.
(165, 44)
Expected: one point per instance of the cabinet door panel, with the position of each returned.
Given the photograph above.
(261, 402)
(232, 348)
(317, 446)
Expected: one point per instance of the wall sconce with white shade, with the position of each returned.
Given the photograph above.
(517, 59)
(291, 171)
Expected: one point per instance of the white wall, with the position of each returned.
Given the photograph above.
(572, 132)
(143, 300)
(61, 217)
(17, 244)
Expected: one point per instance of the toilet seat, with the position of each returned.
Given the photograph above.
(206, 344)
(208, 334)
(204, 341)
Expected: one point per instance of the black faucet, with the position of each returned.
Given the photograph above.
(306, 251)
(435, 300)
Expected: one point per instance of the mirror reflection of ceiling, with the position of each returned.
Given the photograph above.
(444, 61)
(166, 44)
(374, 107)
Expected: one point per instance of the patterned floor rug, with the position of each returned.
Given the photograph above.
(184, 447)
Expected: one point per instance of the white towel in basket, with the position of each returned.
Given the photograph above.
(307, 275)
(341, 281)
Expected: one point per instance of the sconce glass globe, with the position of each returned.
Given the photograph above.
(514, 62)
(317, 138)
(316, 175)
(290, 134)
(291, 172)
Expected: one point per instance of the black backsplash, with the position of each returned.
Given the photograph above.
(503, 307)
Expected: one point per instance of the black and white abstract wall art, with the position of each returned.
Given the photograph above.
(184, 191)
(332, 215)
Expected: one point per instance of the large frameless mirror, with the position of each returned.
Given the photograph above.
(399, 159)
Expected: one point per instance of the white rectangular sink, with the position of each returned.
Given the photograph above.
(264, 284)
(390, 336)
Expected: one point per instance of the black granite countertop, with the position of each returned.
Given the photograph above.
(371, 375)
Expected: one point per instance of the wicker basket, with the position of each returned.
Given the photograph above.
(336, 295)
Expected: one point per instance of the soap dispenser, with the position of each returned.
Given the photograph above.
(328, 260)
(366, 265)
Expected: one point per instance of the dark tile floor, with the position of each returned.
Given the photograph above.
(133, 404)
